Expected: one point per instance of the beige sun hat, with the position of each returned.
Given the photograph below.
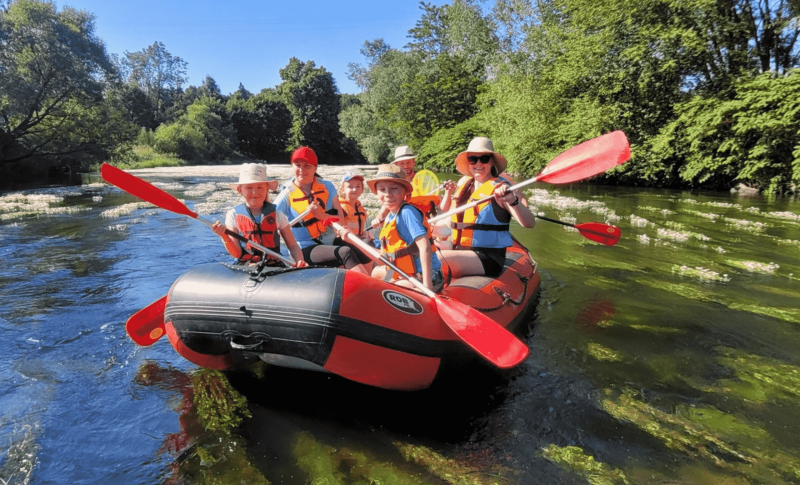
(392, 173)
(254, 173)
(403, 153)
(480, 146)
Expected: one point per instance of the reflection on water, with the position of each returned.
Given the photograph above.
(672, 357)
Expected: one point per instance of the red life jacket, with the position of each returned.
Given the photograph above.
(264, 233)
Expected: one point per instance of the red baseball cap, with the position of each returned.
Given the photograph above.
(304, 153)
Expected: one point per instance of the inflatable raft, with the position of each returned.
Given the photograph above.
(327, 319)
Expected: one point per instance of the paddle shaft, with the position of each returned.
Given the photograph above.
(375, 254)
(243, 239)
(464, 207)
(299, 217)
(554, 220)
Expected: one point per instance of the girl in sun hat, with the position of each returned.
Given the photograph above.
(405, 236)
(317, 198)
(481, 234)
(256, 219)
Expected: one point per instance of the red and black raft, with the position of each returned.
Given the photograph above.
(327, 319)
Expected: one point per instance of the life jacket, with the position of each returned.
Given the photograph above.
(396, 249)
(264, 233)
(426, 203)
(486, 225)
(299, 201)
(353, 217)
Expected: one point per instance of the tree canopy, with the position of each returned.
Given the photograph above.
(52, 73)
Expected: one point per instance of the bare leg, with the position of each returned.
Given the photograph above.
(462, 263)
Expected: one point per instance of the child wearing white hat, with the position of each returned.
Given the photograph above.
(256, 219)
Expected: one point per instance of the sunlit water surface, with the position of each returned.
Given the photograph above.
(672, 357)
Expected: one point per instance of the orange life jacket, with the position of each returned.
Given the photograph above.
(299, 201)
(353, 217)
(479, 226)
(396, 249)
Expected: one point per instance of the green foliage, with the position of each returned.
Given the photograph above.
(311, 95)
(441, 94)
(751, 138)
(157, 73)
(198, 135)
(262, 123)
(51, 90)
(439, 151)
(129, 156)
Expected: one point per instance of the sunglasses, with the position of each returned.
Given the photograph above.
(483, 159)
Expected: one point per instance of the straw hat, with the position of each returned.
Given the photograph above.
(304, 153)
(392, 173)
(480, 145)
(254, 173)
(403, 153)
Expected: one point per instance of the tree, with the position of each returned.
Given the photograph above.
(52, 67)
(199, 134)
(751, 138)
(311, 95)
(157, 72)
(440, 95)
(262, 123)
(242, 92)
(460, 30)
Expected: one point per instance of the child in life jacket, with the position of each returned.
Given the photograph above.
(256, 219)
(405, 237)
(354, 216)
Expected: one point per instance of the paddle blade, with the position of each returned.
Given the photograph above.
(602, 233)
(424, 182)
(143, 190)
(147, 325)
(487, 337)
(588, 159)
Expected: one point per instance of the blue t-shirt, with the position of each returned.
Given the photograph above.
(410, 227)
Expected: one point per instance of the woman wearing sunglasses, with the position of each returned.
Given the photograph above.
(481, 234)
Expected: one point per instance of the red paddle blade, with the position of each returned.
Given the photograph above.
(588, 159)
(147, 325)
(602, 233)
(143, 190)
(487, 337)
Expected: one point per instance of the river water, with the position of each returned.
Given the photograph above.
(672, 357)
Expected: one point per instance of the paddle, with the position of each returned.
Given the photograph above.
(487, 337)
(299, 217)
(595, 231)
(150, 193)
(147, 325)
(424, 182)
(580, 162)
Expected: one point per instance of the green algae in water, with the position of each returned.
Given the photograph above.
(575, 459)
(452, 471)
(219, 406)
(759, 378)
(708, 434)
(604, 353)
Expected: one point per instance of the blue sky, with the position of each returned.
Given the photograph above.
(248, 41)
